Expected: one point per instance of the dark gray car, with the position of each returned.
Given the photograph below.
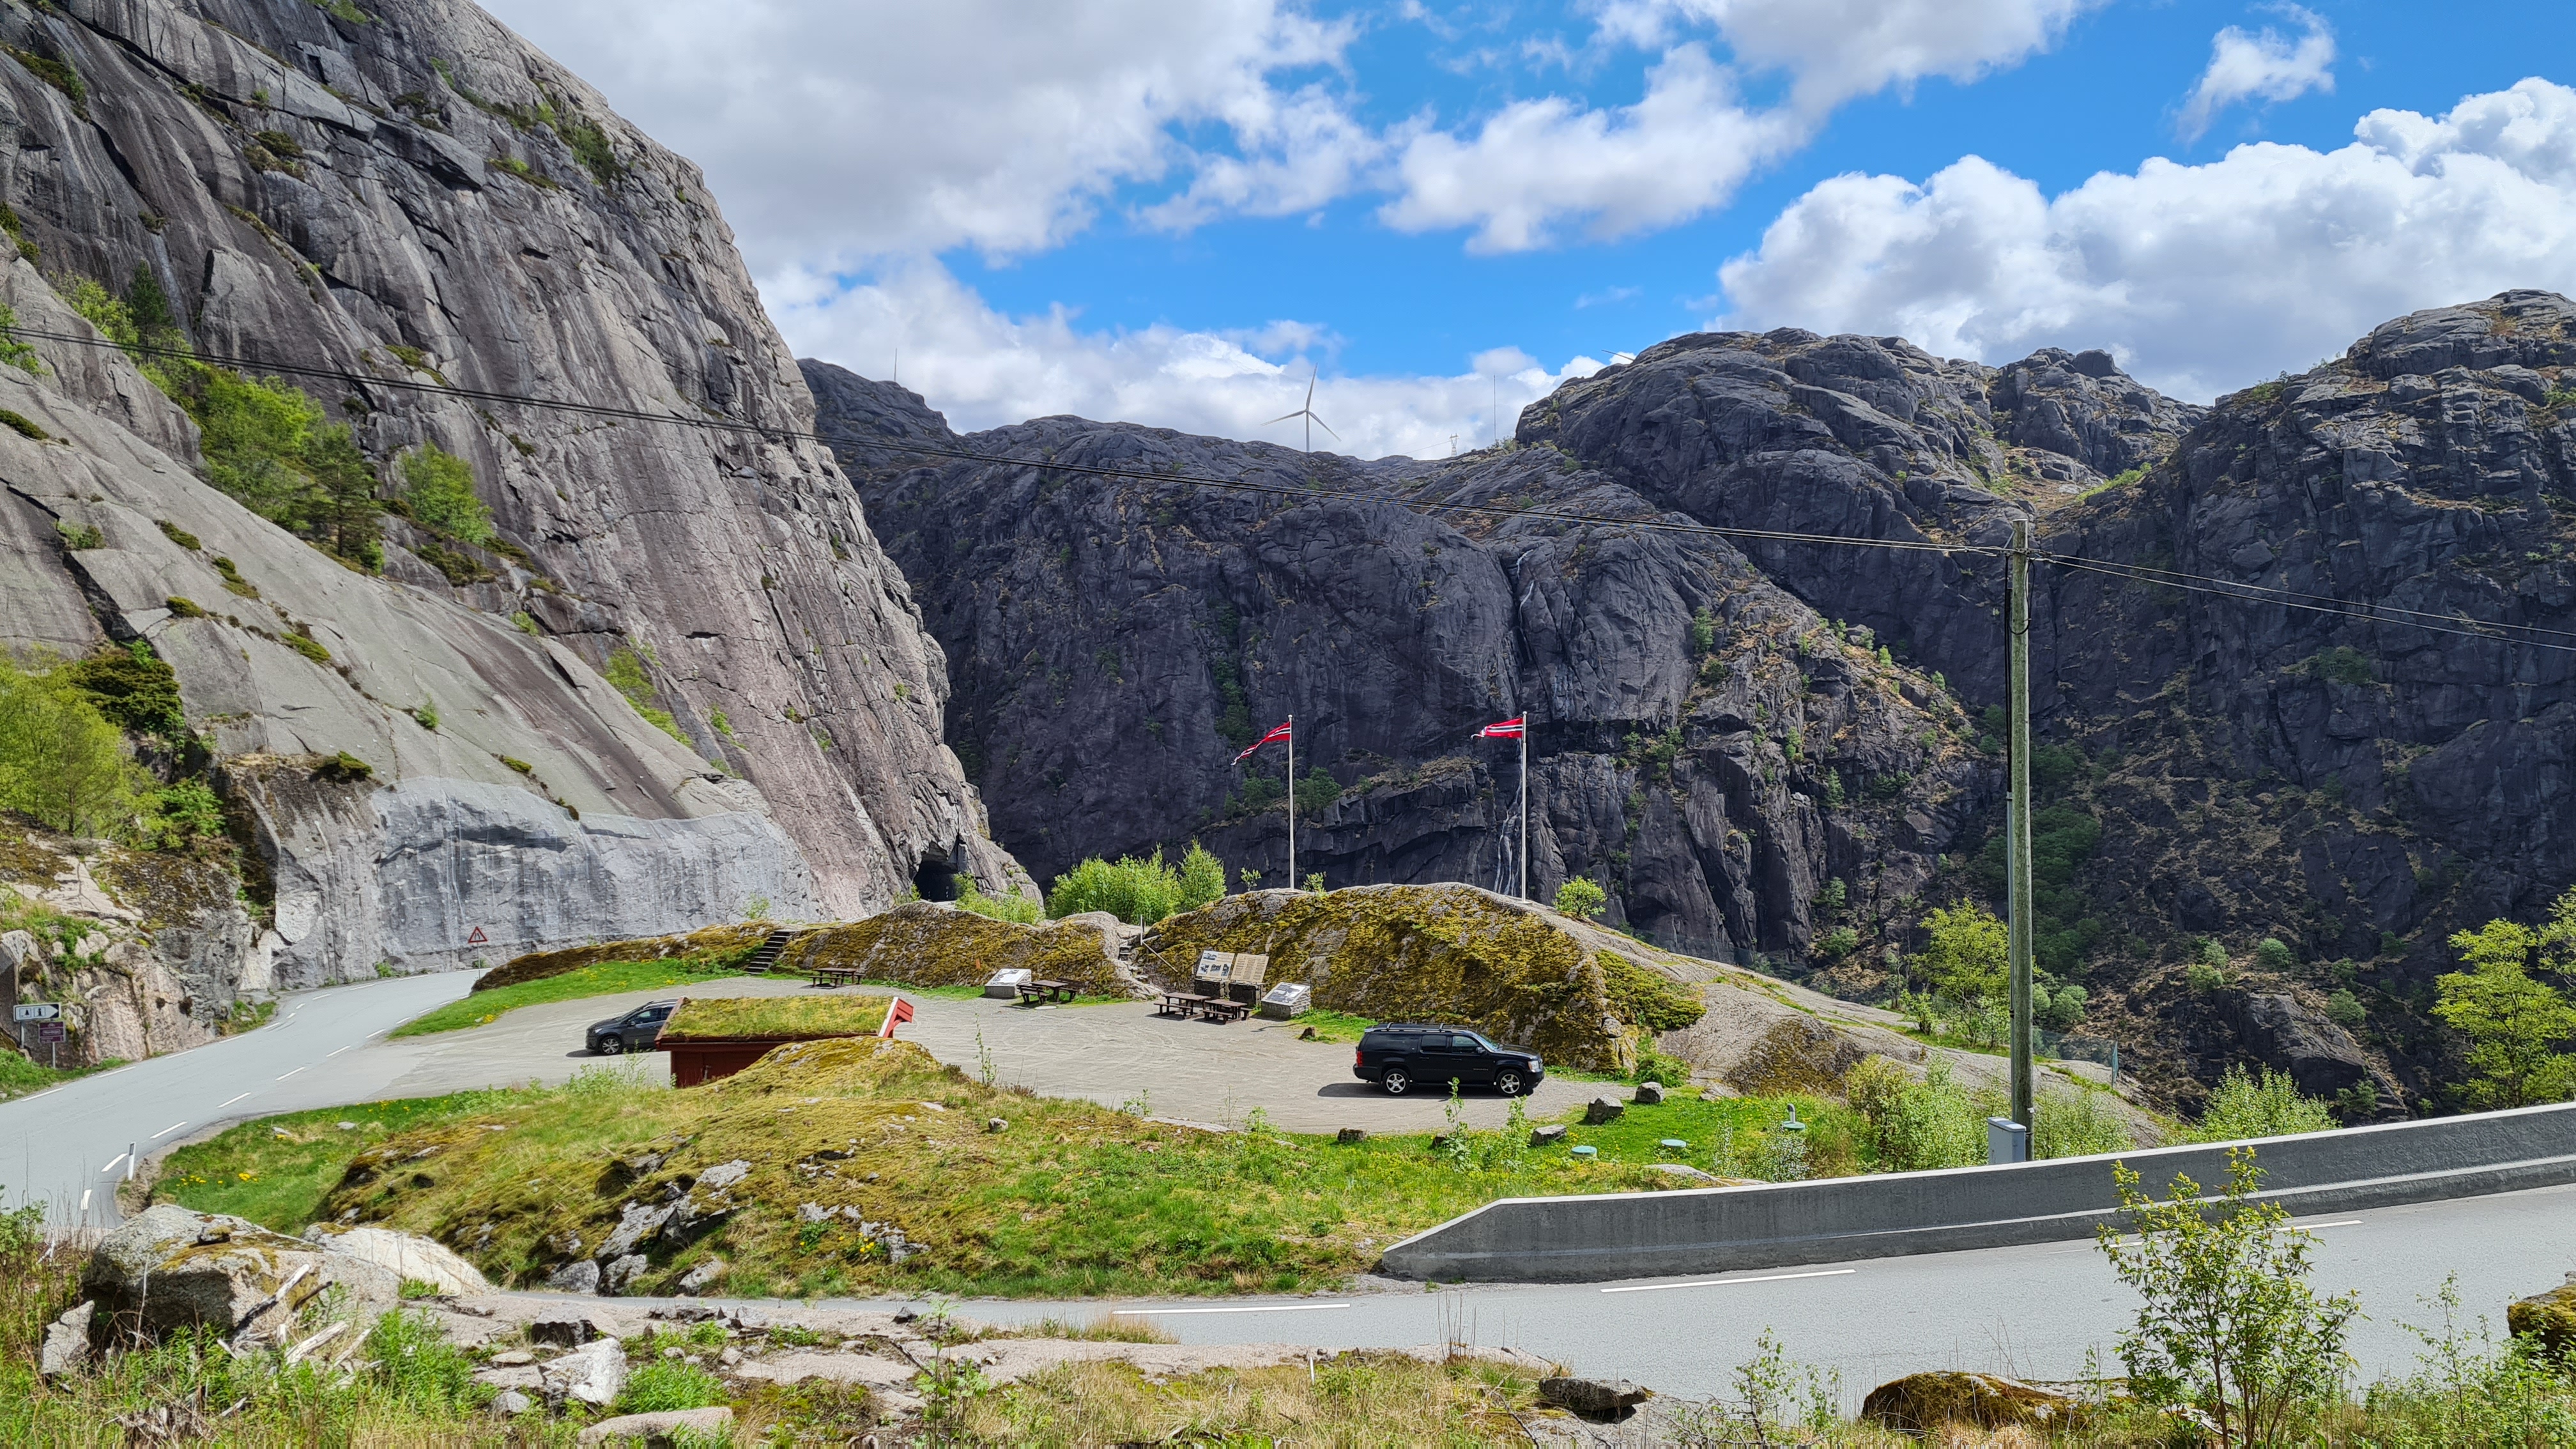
(1397, 1057)
(633, 1032)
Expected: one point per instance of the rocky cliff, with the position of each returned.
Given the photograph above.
(405, 193)
(1725, 730)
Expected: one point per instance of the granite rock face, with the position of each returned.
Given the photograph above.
(424, 198)
(2210, 768)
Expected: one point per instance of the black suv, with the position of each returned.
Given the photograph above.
(1397, 1057)
(633, 1032)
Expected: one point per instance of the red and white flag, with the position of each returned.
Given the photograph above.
(1509, 729)
(896, 1014)
(1278, 732)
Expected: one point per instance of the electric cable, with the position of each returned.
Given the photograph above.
(2198, 583)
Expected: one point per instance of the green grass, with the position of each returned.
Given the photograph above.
(275, 1171)
(605, 979)
(1334, 1025)
(784, 1017)
(20, 1077)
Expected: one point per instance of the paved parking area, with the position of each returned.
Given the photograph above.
(1114, 1054)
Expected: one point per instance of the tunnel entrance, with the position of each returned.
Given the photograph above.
(936, 879)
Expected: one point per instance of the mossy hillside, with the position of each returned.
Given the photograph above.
(791, 1018)
(1443, 953)
(1071, 1198)
(715, 943)
(919, 944)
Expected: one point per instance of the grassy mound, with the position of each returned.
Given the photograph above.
(607, 978)
(1447, 954)
(722, 946)
(919, 944)
(787, 1018)
(1070, 1198)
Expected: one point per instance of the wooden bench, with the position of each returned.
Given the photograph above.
(1213, 1008)
(1033, 992)
(830, 976)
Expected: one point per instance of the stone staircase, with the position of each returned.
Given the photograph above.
(761, 961)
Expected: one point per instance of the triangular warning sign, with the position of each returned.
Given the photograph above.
(477, 939)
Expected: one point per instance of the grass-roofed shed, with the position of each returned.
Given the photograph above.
(715, 1037)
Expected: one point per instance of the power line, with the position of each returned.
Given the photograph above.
(2368, 613)
(709, 421)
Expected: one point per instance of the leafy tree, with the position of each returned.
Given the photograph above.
(342, 511)
(1582, 899)
(2228, 1324)
(1139, 892)
(60, 759)
(2514, 1023)
(438, 488)
(132, 686)
(1913, 1126)
(1969, 952)
(1316, 794)
(2269, 1105)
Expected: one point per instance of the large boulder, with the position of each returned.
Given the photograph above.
(173, 1268)
(408, 1256)
(1929, 1402)
(2549, 1317)
(671, 1426)
(923, 944)
(593, 1374)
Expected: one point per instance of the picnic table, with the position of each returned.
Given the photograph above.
(1033, 992)
(829, 976)
(1191, 1003)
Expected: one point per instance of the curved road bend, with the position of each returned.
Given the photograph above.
(66, 1148)
(2031, 1311)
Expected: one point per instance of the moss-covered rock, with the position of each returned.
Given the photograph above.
(741, 940)
(920, 944)
(1450, 953)
(1928, 1403)
(2549, 1317)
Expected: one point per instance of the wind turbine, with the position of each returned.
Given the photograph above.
(1308, 413)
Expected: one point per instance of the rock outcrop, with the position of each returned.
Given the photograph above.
(429, 763)
(1716, 733)
(172, 1268)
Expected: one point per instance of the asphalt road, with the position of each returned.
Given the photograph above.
(2031, 1311)
(66, 1148)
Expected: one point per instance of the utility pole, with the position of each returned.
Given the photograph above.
(1525, 895)
(1293, 883)
(2017, 821)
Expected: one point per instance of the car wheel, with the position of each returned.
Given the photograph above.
(1397, 1081)
(1510, 1082)
(610, 1046)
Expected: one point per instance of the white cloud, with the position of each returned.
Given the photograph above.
(985, 369)
(1835, 50)
(2201, 278)
(833, 131)
(1536, 166)
(2268, 67)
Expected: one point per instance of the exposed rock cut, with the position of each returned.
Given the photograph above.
(920, 944)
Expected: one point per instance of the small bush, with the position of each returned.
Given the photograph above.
(1838, 943)
(182, 608)
(2202, 977)
(1582, 899)
(78, 536)
(176, 534)
(308, 646)
(2344, 664)
(180, 815)
(2272, 955)
(2076, 1124)
(438, 487)
(24, 426)
(2269, 1105)
(1016, 908)
(2345, 1010)
(1139, 892)
(132, 686)
(1914, 1125)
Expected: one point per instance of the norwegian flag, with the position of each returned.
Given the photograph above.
(1509, 729)
(896, 1015)
(1279, 732)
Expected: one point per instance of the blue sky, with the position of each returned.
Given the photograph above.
(1169, 211)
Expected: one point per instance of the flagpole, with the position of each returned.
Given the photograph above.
(1525, 895)
(1292, 802)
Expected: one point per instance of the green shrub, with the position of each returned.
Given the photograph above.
(2065, 1007)
(78, 536)
(1838, 943)
(2272, 955)
(132, 686)
(17, 354)
(438, 487)
(306, 645)
(2269, 1105)
(409, 1353)
(1581, 898)
(176, 534)
(1914, 1126)
(61, 761)
(2077, 1124)
(1016, 908)
(1139, 892)
(2345, 1009)
(55, 73)
(1316, 794)
(178, 816)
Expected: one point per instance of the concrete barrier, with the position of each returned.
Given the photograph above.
(1770, 1225)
